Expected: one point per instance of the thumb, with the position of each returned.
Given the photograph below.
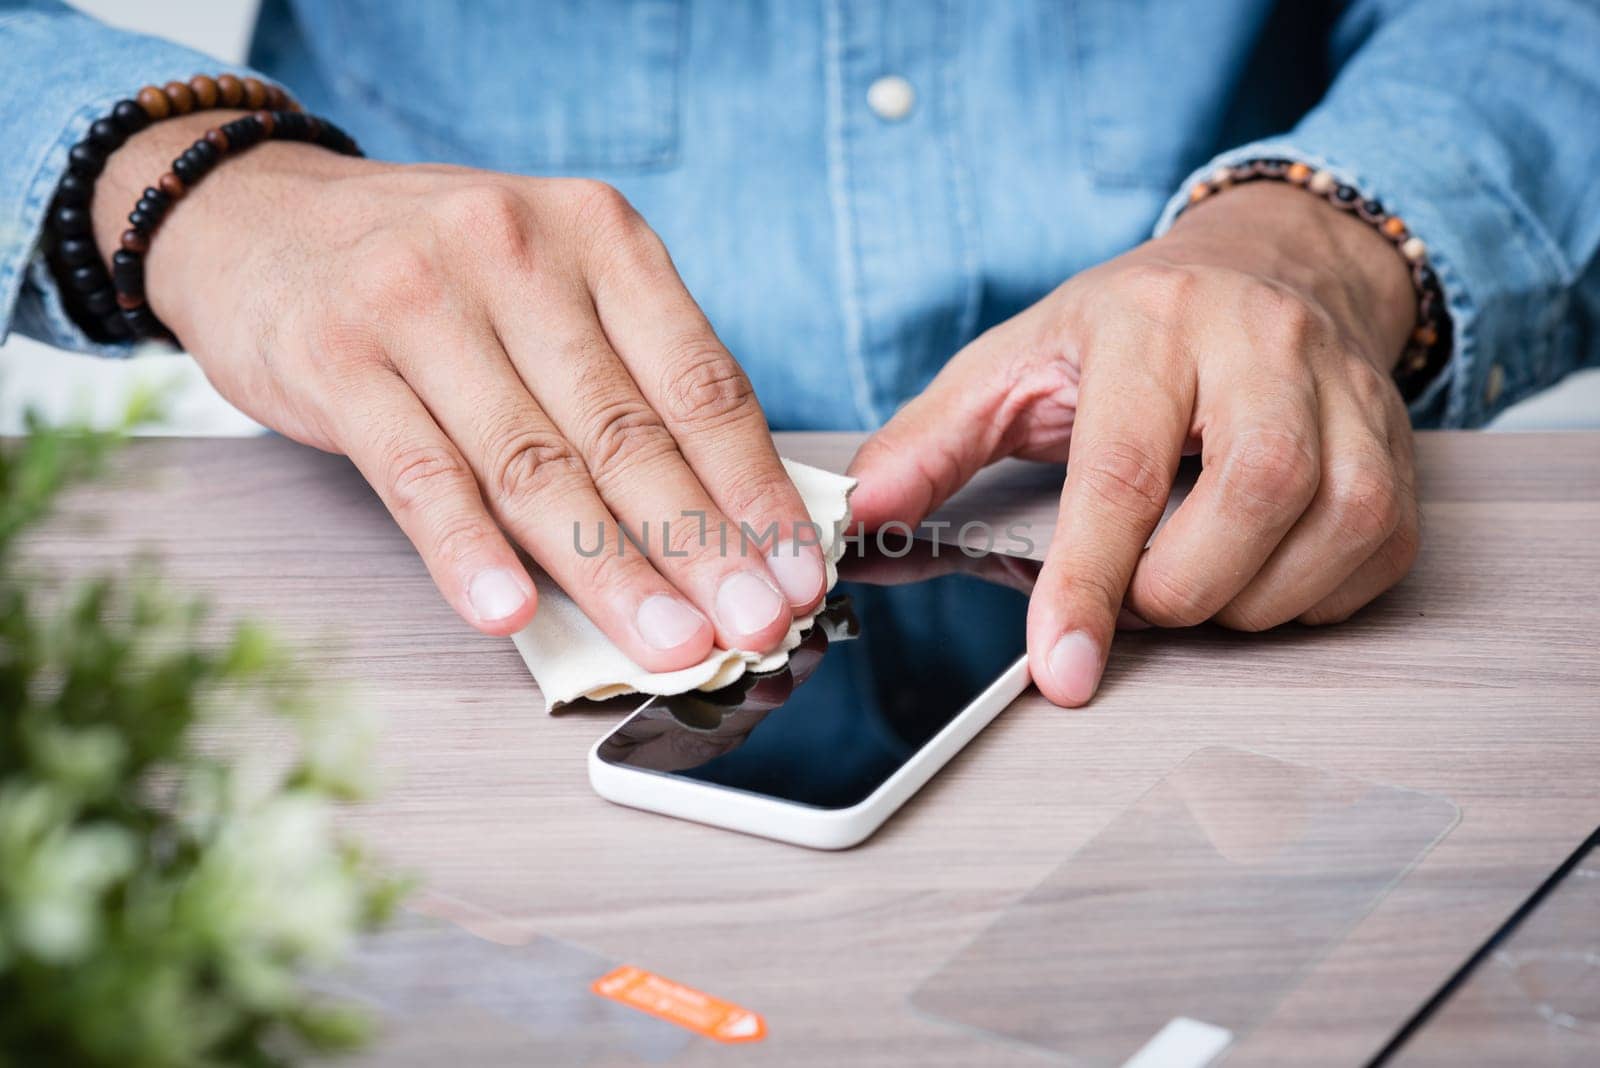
(931, 446)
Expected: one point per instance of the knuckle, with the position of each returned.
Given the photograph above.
(531, 464)
(1324, 615)
(601, 211)
(681, 536)
(393, 274)
(488, 216)
(1374, 391)
(592, 194)
(1282, 318)
(1403, 547)
(634, 253)
(421, 475)
(480, 207)
(461, 538)
(1270, 473)
(587, 349)
(748, 491)
(621, 434)
(1248, 617)
(1094, 586)
(608, 575)
(1364, 502)
(1160, 288)
(1171, 600)
(342, 352)
(703, 386)
(1125, 475)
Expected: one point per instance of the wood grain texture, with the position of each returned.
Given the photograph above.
(1477, 679)
(1535, 1000)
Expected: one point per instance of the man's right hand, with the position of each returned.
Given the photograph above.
(494, 353)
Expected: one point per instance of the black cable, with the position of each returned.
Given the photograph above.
(1526, 909)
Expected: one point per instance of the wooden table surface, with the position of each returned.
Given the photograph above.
(1477, 679)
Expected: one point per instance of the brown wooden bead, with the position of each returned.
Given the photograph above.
(134, 241)
(171, 185)
(181, 97)
(255, 93)
(217, 139)
(129, 302)
(268, 123)
(154, 102)
(230, 90)
(205, 90)
(277, 99)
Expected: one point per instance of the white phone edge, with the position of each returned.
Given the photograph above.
(804, 825)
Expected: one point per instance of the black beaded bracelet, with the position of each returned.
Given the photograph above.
(196, 161)
(69, 242)
(1428, 348)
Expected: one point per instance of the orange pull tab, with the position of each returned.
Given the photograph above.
(682, 1005)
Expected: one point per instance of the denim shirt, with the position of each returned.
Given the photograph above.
(854, 189)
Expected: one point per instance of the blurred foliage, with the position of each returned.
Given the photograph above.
(160, 900)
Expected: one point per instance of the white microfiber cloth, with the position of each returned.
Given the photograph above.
(570, 658)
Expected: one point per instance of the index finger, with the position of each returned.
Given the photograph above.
(1132, 422)
(709, 406)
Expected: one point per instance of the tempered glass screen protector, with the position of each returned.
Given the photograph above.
(444, 995)
(904, 645)
(1201, 904)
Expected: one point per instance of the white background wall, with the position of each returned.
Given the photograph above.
(63, 384)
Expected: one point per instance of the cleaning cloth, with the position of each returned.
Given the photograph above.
(570, 658)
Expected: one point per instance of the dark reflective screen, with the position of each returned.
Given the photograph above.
(902, 647)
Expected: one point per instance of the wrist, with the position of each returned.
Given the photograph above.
(203, 235)
(1300, 239)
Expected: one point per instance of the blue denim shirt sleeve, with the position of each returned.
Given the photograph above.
(1475, 122)
(61, 71)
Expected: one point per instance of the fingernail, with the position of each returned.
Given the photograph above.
(1074, 664)
(1126, 620)
(495, 594)
(747, 603)
(798, 570)
(665, 622)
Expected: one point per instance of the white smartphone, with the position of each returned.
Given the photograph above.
(911, 658)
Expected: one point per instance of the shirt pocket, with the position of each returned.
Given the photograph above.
(559, 85)
(1154, 82)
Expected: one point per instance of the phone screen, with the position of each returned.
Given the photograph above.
(901, 648)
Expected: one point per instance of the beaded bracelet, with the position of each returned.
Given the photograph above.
(127, 263)
(1429, 345)
(69, 230)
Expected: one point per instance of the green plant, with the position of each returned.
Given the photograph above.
(160, 900)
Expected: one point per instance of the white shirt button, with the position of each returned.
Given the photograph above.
(891, 98)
